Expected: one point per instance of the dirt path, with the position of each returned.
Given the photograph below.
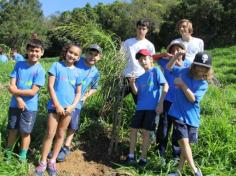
(76, 165)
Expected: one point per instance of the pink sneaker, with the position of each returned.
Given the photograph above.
(40, 169)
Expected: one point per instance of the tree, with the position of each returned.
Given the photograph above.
(18, 19)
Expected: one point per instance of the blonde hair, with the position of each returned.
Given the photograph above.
(189, 24)
(208, 76)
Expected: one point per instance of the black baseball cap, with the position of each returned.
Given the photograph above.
(203, 59)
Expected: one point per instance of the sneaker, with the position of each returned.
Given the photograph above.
(199, 172)
(63, 153)
(130, 160)
(142, 162)
(52, 170)
(40, 169)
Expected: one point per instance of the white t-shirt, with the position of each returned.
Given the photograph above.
(131, 47)
(193, 46)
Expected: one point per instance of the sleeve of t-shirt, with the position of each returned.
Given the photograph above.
(177, 70)
(53, 69)
(200, 91)
(162, 62)
(95, 81)
(153, 51)
(79, 79)
(201, 43)
(13, 74)
(160, 77)
(40, 77)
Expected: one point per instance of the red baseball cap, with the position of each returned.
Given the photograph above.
(143, 52)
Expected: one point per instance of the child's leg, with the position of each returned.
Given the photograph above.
(145, 143)
(181, 162)
(12, 135)
(133, 140)
(60, 134)
(51, 131)
(69, 138)
(25, 141)
(187, 153)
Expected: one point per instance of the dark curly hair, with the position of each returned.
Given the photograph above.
(65, 49)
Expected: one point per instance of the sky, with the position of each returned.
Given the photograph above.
(51, 6)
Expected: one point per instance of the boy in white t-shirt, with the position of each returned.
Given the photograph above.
(130, 47)
(192, 44)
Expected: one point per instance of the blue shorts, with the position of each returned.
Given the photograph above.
(144, 119)
(182, 130)
(21, 120)
(75, 120)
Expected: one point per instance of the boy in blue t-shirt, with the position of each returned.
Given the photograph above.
(26, 80)
(165, 122)
(90, 78)
(16, 56)
(150, 97)
(191, 86)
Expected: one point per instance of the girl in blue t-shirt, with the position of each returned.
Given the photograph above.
(191, 86)
(64, 85)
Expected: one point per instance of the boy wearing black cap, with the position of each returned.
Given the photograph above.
(191, 86)
(150, 99)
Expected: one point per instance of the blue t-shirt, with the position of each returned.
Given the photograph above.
(149, 89)
(18, 57)
(3, 58)
(90, 78)
(170, 77)
(66, 82)
(26, 76)
(182, 109)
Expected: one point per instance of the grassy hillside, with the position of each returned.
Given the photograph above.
(215, 153)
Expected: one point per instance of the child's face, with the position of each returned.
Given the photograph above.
(145, 62)
(92, 57)
(184, 29)
(201, 72)
(34, 54)
(174, 50)
(72, 54)
(141, 31)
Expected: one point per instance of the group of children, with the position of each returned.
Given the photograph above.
(71, 81)
(172, 92)
(170, 95)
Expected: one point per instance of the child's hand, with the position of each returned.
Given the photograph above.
(180, 53)
(60, 110)
(12, 89)
(132, 80)
(69, 109)
(159, 108)
(179, 82)
(21, 104)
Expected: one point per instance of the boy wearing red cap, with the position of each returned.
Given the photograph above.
(150, 97)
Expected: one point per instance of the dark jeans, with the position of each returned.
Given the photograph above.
(164, 128)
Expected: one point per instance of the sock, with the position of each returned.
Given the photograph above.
(23, 154)
(131, 155)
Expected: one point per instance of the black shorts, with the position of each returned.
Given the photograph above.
(144, 119)
(182, 130)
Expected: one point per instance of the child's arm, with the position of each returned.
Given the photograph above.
(70, 108)
(159, 108)
(132, 85)
(188, 93)
(174, 59)
(52, 93)
(88, 94)
(161, 55)
(20, 102)
(29, 92)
